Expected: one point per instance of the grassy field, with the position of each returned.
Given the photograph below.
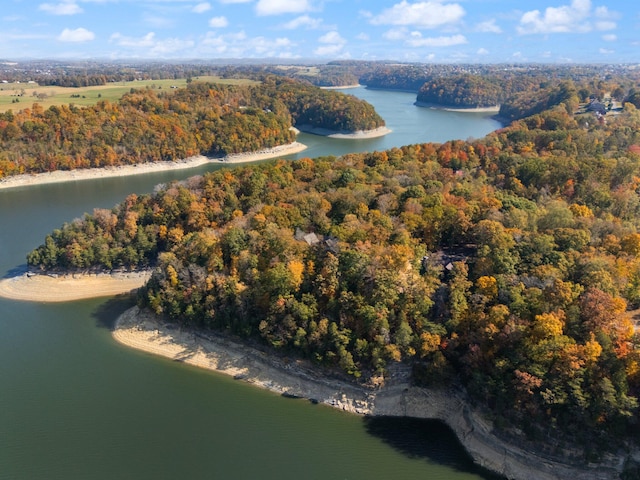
(18, 96)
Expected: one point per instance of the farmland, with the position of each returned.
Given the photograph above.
(20, 95)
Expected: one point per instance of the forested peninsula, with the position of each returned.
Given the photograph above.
(509, 265)
(148, 125)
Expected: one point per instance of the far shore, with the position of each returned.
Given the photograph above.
(141, 168)
(360, 134)
(493, 109)
(341, 87)
(52, 288)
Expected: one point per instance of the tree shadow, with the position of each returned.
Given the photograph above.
(431, 440)
(16, 271)
(108, 312)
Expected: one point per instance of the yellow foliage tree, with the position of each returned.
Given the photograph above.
(296, 267)
(487, 286)
(548, 325)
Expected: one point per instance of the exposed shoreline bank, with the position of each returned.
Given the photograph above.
(360, 134)
(341, 87)
(64, 288)
(144, 331)
(59, 176)
(493, 109)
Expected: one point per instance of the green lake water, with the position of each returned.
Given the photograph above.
(74, 404)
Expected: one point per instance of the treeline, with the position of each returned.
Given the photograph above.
(86, 73)
(509, 263)
(149, 126)
(396, 77)
(465, 91)
(534, 101)
(323, 108)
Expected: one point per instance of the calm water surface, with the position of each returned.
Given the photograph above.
(76, 405)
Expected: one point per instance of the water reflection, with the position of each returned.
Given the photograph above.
(431, 440)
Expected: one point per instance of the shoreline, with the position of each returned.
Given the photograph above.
(60, 176)
(144, 331)
(340, 87)
(357, 135)
(493, 109)
(141, 330)
(54, 288)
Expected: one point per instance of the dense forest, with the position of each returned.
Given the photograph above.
(150, 125)
(510, 264)
(464, 91)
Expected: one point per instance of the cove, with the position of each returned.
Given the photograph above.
(74, 404)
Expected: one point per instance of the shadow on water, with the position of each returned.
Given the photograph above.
(431, 440)
(16, 271)
(107, 313)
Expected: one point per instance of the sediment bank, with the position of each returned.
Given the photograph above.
(64, 288)
(360, 134)
(294, 378)
(150, 167)
(493, 109)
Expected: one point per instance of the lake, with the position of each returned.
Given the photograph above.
(74, 404)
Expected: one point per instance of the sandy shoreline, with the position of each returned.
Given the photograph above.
(65, 288)
(142, 330)
(341, 87)
(142, 168)
(360, 134)
(493, 109)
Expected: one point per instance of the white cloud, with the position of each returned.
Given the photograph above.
(419, 41)
(157, 21)
(396, 34)
(482, 51)
(328, 50)
(332, 42)
(604, 25)
(64, 8)
(415, 39)
(201, 7)
(168, 46)
(303, 21)
(573, 18)
(428, 14)
(606, 51)
(332, 37)
(150, 46)
(610, 37)
(238, 45)
(78, 35)
(363, 36)
(218, 22)
(235, 1)
(147, 41)
(488, 27)
(277, 7)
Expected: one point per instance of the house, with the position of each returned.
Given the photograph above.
(597, 107)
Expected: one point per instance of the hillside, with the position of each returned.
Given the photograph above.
(507, 264)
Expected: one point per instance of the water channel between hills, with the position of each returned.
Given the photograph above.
(76, 405)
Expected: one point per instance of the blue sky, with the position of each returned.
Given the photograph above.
(438, 31)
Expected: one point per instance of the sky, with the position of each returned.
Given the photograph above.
(432, 31)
